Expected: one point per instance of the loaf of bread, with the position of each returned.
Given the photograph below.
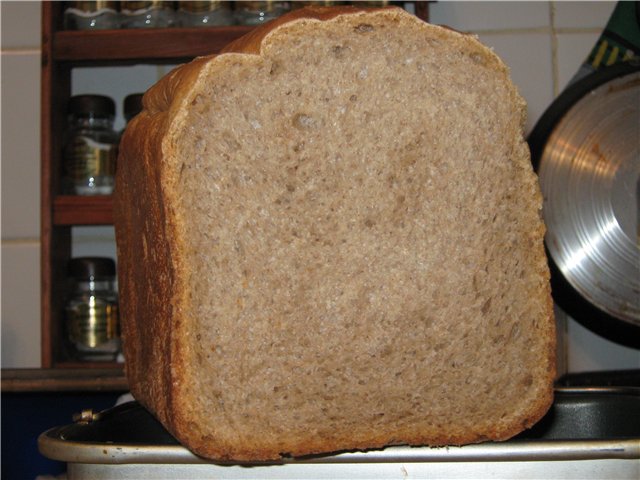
(329, 238)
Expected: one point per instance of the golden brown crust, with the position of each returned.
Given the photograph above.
(152, 291)
(140, 216)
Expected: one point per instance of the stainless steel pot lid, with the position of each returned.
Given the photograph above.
(586, 149)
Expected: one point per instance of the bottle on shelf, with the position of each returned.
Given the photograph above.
(257, 13)
(147, 14)
(92, 309)
(205, 13)
(94, 15)
(132, 106)
(91, 149)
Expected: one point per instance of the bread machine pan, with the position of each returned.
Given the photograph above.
(588, 433)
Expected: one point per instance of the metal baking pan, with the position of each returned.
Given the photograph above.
(588, 433)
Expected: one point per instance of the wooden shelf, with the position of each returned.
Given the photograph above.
(83, 210)
(159, 44)
(61, 380)
(77, 364)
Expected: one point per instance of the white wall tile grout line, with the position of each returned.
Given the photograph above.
(509, 31)
(534, 30)
(24, 241)
(20, 51)
(577, 30)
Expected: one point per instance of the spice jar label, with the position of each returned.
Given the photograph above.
(88, 158)
(92, 324)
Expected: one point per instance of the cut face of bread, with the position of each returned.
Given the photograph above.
(329, 239)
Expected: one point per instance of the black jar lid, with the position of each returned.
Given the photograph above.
(99, 105)
(132, 105)
(88, 267)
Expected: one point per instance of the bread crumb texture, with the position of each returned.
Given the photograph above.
(358, 245)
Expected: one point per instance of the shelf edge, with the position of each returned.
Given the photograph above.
(63, 380)
(141, 45)
(82, 210)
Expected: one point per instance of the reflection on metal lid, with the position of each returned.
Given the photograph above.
(590, 176)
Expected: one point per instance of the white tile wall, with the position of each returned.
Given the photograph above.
(588, 352)
(582, 15)
(542, 42)
(519, 51)
(20, 157)
(21, 146)
(572, 49)
(98, 241)
(20, 303)
(474, 16)
(21, 25)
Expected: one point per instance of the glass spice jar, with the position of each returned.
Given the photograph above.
(147, 14)
(92, 309)
(91, 15)
(92, 146)
(257, 13)
(132, 106)
(207, 13)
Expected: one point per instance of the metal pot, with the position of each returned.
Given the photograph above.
(586, 151)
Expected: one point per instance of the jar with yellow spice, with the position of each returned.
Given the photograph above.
(92, 309)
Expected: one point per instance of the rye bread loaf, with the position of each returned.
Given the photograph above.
(329, 238)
